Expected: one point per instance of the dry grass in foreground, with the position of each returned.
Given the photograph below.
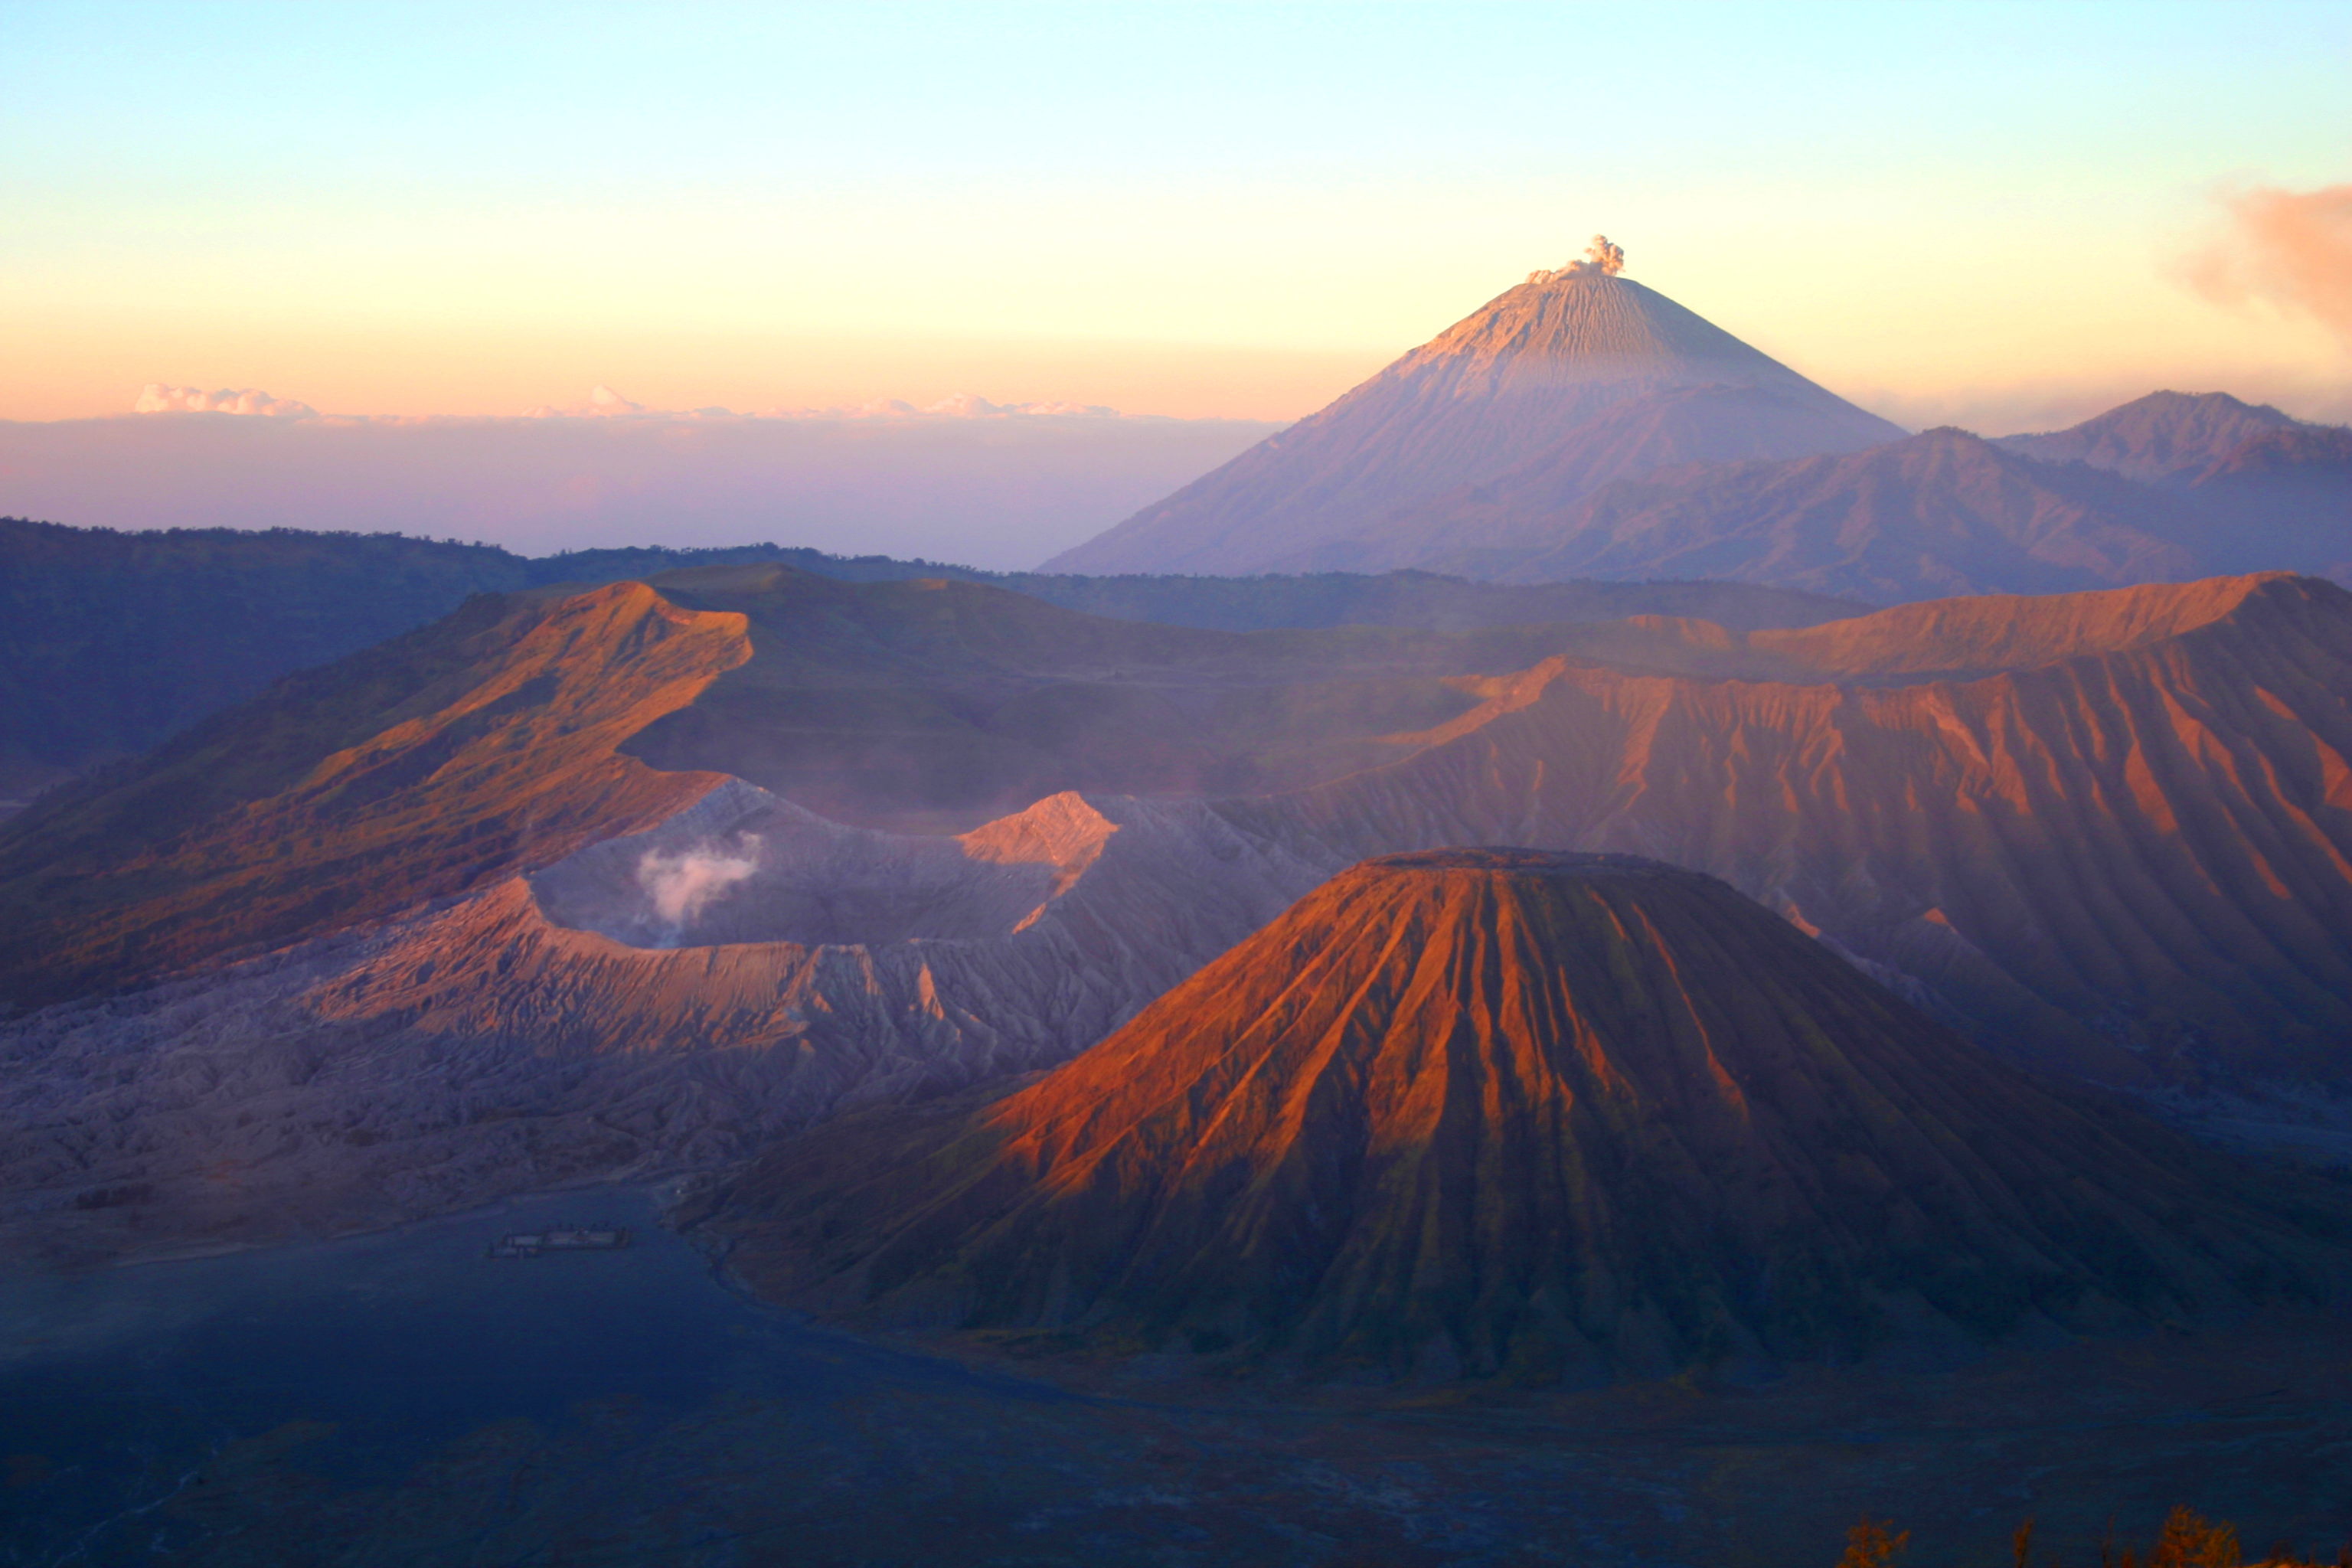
(2186, 1540)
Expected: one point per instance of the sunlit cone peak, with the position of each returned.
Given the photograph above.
(1554, 387)
(1497, 1111)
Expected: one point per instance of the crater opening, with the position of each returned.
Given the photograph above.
(744, 866)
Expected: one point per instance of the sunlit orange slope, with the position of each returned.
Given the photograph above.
(519, 729)
(1505, 1112)
(2119, 837)
(433, 765)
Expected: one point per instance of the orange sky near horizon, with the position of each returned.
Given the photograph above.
(1994, 363)
(1986, 213)
(362, 371)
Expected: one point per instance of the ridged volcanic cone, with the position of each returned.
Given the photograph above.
(1542, 394)
(1501, 1110)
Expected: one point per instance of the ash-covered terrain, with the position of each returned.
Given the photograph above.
(428, 928)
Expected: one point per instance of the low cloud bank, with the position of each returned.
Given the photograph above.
(2289, 248)
(603, 403)
(995, 484)
(157, 398)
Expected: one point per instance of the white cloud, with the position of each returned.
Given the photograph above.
(2292, 248)
(970, 405)
(603, 403)
(1078, 410)
(155, 397)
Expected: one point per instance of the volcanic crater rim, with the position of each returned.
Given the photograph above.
(743, 866)
(1509, 857)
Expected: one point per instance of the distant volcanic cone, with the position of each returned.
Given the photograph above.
(1549, 390)
(1498, 1112)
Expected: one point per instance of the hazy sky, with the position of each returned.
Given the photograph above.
(1982, 211)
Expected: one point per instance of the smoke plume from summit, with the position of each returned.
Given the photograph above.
(1600, 257)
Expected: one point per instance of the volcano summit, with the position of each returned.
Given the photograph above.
(1575, 378)
(1504, 1112)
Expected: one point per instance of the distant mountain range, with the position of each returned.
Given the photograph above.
(2164, 490)
(1929, 516)
(2164, 437)
(112, 642)
(1580, 448)
(1582, 426)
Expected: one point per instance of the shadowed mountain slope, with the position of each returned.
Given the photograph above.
(1549, 389)
(2285, 496)
(2130, 853)
(112, 642)
(521, 728)
(1421, 599)
(2263, 491)
(2311, 453)
(1471, 527)
(411, 772)
(1497, 1111)
(1937, 514)
(934, 704)
(2166, 435)
(1943, 513)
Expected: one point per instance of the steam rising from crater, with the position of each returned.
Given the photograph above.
(683, 884)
